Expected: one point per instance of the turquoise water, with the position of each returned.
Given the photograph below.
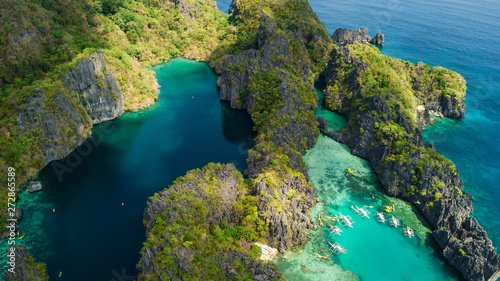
(462, 35)
(91, 235)
(376, 251)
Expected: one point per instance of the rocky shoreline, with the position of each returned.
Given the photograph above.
(194, 228)
(411, 171)
(271, 74)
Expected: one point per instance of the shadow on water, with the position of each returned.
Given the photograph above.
(237, 125)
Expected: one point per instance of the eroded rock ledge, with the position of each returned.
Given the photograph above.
(349, 36)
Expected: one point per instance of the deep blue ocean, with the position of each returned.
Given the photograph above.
(463, 36)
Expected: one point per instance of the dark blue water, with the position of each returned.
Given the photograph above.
(460, 35)
(78, 225)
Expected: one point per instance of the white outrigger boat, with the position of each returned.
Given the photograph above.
(393, 221)
(380, 217)
(362, 212)
(407, 231)
(337, 249)
(335, 230)
(345, 220)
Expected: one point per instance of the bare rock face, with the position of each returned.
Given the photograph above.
(286, 226)
(378, 40)
(96, 86)
(187, 10)
(60, 122)
(349, 36)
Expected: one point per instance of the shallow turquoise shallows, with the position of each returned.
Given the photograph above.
(79, 227)
(463, 36)
(375, 251)
(460, 35)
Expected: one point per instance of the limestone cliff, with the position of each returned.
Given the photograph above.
(349, 36)
(273, 79)
(96, 87)
(61, 115)
(196, 227)
(386, 112)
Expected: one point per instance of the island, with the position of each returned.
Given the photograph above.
(268, 54)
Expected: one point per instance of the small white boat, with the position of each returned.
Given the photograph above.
(345, 220)
(362, 212)
(407, 231)
(394, 222)
(380, 217)
(336, 248)
(335, 230)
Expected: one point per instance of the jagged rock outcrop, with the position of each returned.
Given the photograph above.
(186, 9)
(385, 133)
(58, 120)
(349, 36)
(274, 81)
(238, 71)
(378, 39)
(287, 221)
(186, 223)
(25, 267)
(258, 270)
(61, 123)
(96, 87)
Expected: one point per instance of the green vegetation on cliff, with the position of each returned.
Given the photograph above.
(40, 41)
(400, 93)
(400, 83)
(197, 227)
(268, 66)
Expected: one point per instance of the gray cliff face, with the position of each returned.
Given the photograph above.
(170, 206)
(186, 10)
(349, 36)
(447, 106)
(25, 267)
(236, 73)
(96, 87)
(287, 226)
(232, 83)
(59, 121)
(273, 52)
(61, 117)
(434, 189)
(378, 40)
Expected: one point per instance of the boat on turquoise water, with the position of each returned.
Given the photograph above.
(335, 230)
(393, 221)
(336, 248)
(345, 220)
(380, 217)
(362, 212)
(407, 231)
